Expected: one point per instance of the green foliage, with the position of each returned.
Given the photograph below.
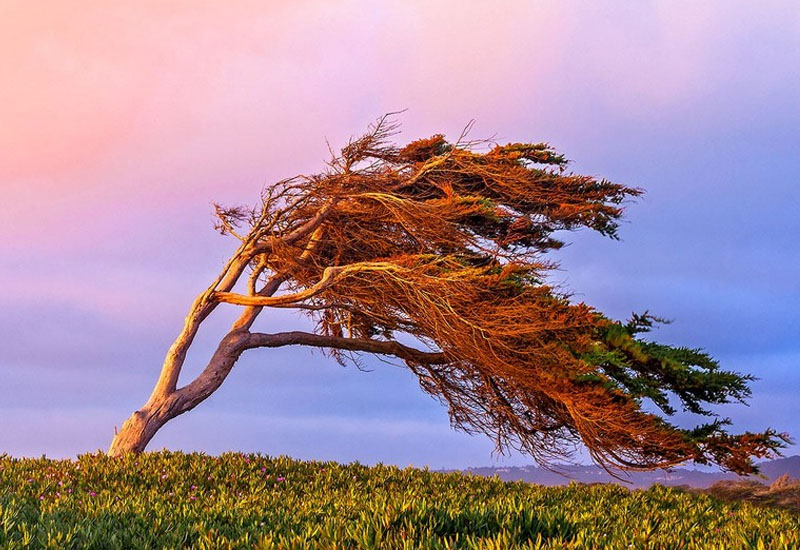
(175, 500)
(651, 370)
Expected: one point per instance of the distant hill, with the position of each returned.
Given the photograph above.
(771, 469)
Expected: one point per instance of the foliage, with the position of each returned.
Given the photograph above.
(175, 500)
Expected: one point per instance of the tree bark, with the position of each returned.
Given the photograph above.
(142, 425)
(137, 431)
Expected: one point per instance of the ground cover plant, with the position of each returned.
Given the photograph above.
(177, 500)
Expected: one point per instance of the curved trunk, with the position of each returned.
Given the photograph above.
(142, 425)
(168, 401)
(137, 431)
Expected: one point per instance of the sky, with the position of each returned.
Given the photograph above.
(120, 124)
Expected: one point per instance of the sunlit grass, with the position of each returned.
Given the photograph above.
(175, 500)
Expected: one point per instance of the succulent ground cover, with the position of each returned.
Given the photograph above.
(176, 500)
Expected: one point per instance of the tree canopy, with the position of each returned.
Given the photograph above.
(437, 253)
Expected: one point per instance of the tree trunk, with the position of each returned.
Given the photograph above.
(166, 404)
(137, 431)
(167, 401)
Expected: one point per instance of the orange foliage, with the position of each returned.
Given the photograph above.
(445, 245)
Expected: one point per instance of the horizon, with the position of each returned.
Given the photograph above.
(124, 123)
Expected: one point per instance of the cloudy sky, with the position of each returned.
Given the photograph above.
(120, 123)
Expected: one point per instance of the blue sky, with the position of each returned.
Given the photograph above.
(127, 122)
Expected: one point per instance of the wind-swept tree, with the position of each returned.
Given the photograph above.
(436, 253)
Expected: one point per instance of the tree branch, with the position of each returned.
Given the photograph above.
(300, 232)
(329, 276)
(381, 347)
(236, 342)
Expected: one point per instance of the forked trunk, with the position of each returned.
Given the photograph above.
(166, 402)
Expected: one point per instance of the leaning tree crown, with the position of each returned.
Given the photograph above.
(446, 243)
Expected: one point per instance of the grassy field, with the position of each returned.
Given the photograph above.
(174, 500)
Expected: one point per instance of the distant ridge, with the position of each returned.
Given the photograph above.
(771, 469)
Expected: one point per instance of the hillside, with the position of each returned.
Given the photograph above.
(770, 470)
(174, 500)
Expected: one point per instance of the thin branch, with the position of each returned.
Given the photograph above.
(329, 277)
(305, 229)
(381, 347)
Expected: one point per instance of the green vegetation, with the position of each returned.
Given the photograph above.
(175, 500)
